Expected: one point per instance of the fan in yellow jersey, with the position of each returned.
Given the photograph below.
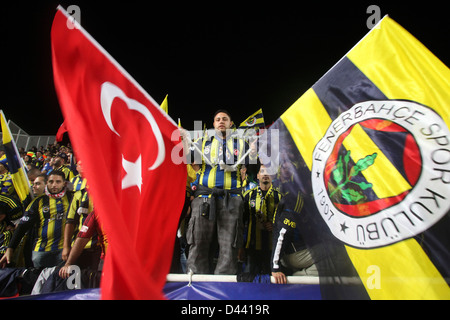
(60, 164)
(6, 183)
(260, 204)
(78, 182)
(218, 202)
(79, 209)
(10, 210)
(48, 213)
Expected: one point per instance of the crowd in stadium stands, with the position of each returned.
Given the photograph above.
(235, 221)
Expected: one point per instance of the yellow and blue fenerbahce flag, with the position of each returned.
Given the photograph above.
(256, 120)
(18, 175)
(369, 147)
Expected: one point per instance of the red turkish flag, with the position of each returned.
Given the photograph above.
(60, 134)
(124, 140)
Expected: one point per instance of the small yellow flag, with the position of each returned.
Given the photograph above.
(164, 105)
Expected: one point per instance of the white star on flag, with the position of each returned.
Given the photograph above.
(134, 173)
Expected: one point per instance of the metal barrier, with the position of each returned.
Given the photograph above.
(172, 277)
(26, 141)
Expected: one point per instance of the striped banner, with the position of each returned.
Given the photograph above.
(16, 168)
(256, 120)
(370, 146)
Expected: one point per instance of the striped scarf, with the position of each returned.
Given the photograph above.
(55, 195)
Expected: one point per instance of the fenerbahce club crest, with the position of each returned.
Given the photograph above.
(381, 172)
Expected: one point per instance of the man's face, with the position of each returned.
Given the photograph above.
(263, 176)
(55, 183)
(38, 186)
(222, 122)
(79, 167)
(57, 162)
(286, 171)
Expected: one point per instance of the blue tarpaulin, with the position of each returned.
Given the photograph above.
(240, 291)
(206, 291)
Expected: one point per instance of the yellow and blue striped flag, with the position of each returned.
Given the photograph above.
(256, 120)
(16, 168)
(369, 148)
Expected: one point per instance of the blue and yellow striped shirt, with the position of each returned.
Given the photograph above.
(216, 150)
(6, 185)
(78, 183)
(259, 207)
(49, 215)
(76, 216)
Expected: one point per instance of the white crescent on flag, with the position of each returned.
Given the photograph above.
(109, 92)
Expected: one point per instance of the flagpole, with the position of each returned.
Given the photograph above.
(203, 155)
(234, 167)
(184, 135)
(243, 157)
